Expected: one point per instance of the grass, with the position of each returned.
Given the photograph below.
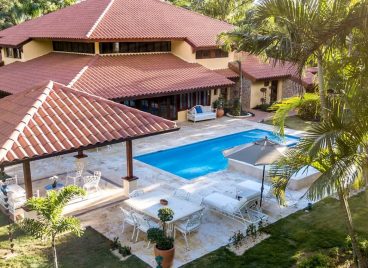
(90, 250)
(321, 229)
(294, 122)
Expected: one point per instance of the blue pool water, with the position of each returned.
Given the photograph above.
(200, 158)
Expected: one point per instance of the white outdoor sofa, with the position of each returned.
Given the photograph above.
(243, 210)
(200, 113)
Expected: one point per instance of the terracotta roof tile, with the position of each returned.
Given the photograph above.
(255, 69)
(228, 73)
(120, 19)
(48, 126)
(73, 22)
(146, 75)
(112, 76)
(62, 68)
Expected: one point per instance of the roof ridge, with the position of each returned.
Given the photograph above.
(191, 11)
(82, 71)
(99, 19)
(26, 119)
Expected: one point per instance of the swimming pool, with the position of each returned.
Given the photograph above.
(200, 158)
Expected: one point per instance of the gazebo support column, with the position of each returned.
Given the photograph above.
(130, 181)
(27, 179)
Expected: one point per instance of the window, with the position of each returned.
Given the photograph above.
(14, 53)
(211, 54)
(77, 47)
(135, 47)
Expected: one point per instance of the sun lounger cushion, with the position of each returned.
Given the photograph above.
(14, 191)
(253, 185)
(222, 202)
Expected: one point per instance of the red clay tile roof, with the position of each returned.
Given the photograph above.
(120, 19)
(228, 73)
(132, 76)
(72, 22)
(112, 76)
(256, 69)
(56, 119)
(62, 68)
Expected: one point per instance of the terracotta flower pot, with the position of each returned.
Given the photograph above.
(167, 255)
(220, 112)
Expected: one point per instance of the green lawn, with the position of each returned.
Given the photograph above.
(321, 229)
(294, 122)
(90, 250)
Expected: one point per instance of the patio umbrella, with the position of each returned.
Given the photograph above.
(260, 153)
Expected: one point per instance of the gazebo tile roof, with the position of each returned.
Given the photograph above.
(49, 125)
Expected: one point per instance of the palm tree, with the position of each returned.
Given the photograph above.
(51, 222)
(338, 148)
(299, 31)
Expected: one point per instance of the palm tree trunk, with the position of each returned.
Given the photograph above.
(54, 252)
(321, 85)
(358, 257)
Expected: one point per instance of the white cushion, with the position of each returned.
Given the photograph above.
(223, 202)
(253, 185)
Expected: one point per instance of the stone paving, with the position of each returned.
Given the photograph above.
(215, 230)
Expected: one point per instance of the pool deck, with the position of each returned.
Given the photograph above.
(102, 211)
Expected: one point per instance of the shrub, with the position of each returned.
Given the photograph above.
(115, 243)
(310, 110)
(237, 239)
(263, 107)
(235, 107)
(125, 251)
(318, 260)
(157, 235)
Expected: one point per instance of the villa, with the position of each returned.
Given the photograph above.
(78, 86)
(163, 59)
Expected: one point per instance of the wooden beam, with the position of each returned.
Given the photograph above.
(27, 179)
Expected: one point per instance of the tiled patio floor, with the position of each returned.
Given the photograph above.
(215, 231)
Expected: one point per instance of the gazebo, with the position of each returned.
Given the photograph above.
(53, 119)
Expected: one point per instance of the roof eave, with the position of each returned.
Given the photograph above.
(92, 146)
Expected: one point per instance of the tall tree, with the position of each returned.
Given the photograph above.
(299, 31)
(338, 148)
(232, 11)
(51, 222)
(18, 11)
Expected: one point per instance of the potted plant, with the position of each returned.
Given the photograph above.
(219, 105)
(164, 243)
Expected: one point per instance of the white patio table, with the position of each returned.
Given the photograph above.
(149, 204)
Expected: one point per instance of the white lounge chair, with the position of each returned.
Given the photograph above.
(235, 209)
(200, 113)
(251, 185)
(189, 226)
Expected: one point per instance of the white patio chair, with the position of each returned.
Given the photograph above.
(90, 182)
(182, 194)
(143, 224)
(77, 175)
(129, 218)
(136, 193)
(188, 226)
